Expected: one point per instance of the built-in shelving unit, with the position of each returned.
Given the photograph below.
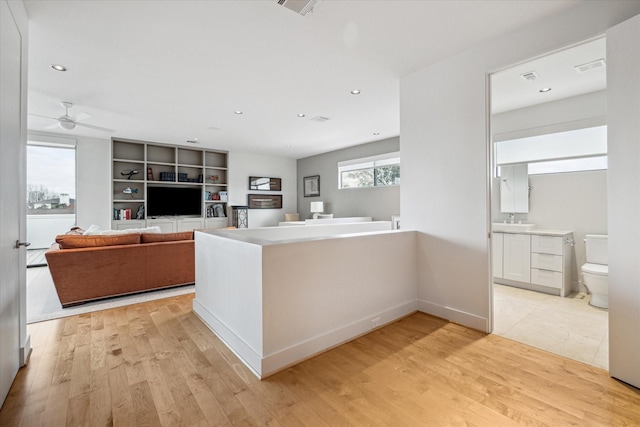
(137, 166)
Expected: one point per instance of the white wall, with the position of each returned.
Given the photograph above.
(623, 96)
(244, 165)
(93, 172)
(379, 203)
(445, 183)
(577, 112)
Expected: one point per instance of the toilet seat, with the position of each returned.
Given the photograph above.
(598, 269)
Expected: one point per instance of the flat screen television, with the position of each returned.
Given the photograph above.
(172, 201)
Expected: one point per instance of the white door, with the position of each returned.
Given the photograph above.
(517, 257)
(10, 198)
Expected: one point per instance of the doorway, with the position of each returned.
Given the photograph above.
(549, 116)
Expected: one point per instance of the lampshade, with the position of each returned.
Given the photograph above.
(317, 207)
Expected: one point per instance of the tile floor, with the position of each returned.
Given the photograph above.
(566, 326)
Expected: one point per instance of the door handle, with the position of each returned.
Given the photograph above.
(19, 243)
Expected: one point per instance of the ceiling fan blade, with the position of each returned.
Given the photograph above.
(44, 117)
(95, 127)
(82, 116)
(53, 125)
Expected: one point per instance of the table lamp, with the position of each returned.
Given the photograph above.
(316, 208)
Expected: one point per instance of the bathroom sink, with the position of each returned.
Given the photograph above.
(501, 226)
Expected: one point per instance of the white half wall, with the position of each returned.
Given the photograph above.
(244, 165)
(445, 181)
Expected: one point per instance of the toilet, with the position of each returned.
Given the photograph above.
(596, 270)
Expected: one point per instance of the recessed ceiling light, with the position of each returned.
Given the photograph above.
(238, 112)
(302, 115)
(376, 133)
(289, 146)
(355, 92)
(545, 89)
(58, 67)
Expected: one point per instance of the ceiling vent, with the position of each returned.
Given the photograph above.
(319, 119)
(298, 6)
(530, 76)
(599, 63)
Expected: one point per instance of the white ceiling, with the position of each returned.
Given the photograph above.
(169, 71)
(556, 71)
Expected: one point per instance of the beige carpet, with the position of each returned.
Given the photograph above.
(43, 303)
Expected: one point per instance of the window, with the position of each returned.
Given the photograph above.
(375, 171)
(51, 180)
(572, 151)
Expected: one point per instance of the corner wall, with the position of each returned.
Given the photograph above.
(445, 191)
(379, 203)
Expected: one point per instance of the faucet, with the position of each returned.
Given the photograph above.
(512, 218)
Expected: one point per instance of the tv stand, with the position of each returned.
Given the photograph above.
(137, 166)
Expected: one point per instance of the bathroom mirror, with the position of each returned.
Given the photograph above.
(514, 189)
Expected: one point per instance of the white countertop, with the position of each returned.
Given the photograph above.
(539, 232)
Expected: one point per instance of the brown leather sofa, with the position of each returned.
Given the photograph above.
(86, 268)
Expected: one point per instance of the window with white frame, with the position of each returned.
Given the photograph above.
(571, 151)
(375, 171)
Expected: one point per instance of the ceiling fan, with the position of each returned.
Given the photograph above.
(67, 123)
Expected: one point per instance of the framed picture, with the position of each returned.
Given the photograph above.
(311, 186)
(259, 183)
(265, 201)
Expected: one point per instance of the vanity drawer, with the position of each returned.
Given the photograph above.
(553, 279)
(547, 244)
(546, 261)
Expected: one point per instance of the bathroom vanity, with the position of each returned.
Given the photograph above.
(539, 260)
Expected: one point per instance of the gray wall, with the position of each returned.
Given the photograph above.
(379, 203)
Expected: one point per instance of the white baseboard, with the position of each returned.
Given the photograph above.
(277, 361)
(454, 315)
(248, 355)
(289, 356)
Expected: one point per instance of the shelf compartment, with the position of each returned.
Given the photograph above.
(154, 170)
(188, 174)
(161, 154)
(128, 191)
(120, 170)
(128, 151)
(220, 177)
(189, 157)
(215, 159)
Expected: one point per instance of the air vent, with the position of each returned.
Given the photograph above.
(319, 119)
(530, 76)
(298, 6)
(599, 63)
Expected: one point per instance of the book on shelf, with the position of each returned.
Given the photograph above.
(121, 214)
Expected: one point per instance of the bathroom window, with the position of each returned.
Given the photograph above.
(376, 171)
(571, 151)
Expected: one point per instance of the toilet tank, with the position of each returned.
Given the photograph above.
(597, 250)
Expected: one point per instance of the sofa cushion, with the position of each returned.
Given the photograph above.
(67, 241)
(165, 237)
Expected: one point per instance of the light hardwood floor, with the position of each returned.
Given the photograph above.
(156, 364)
